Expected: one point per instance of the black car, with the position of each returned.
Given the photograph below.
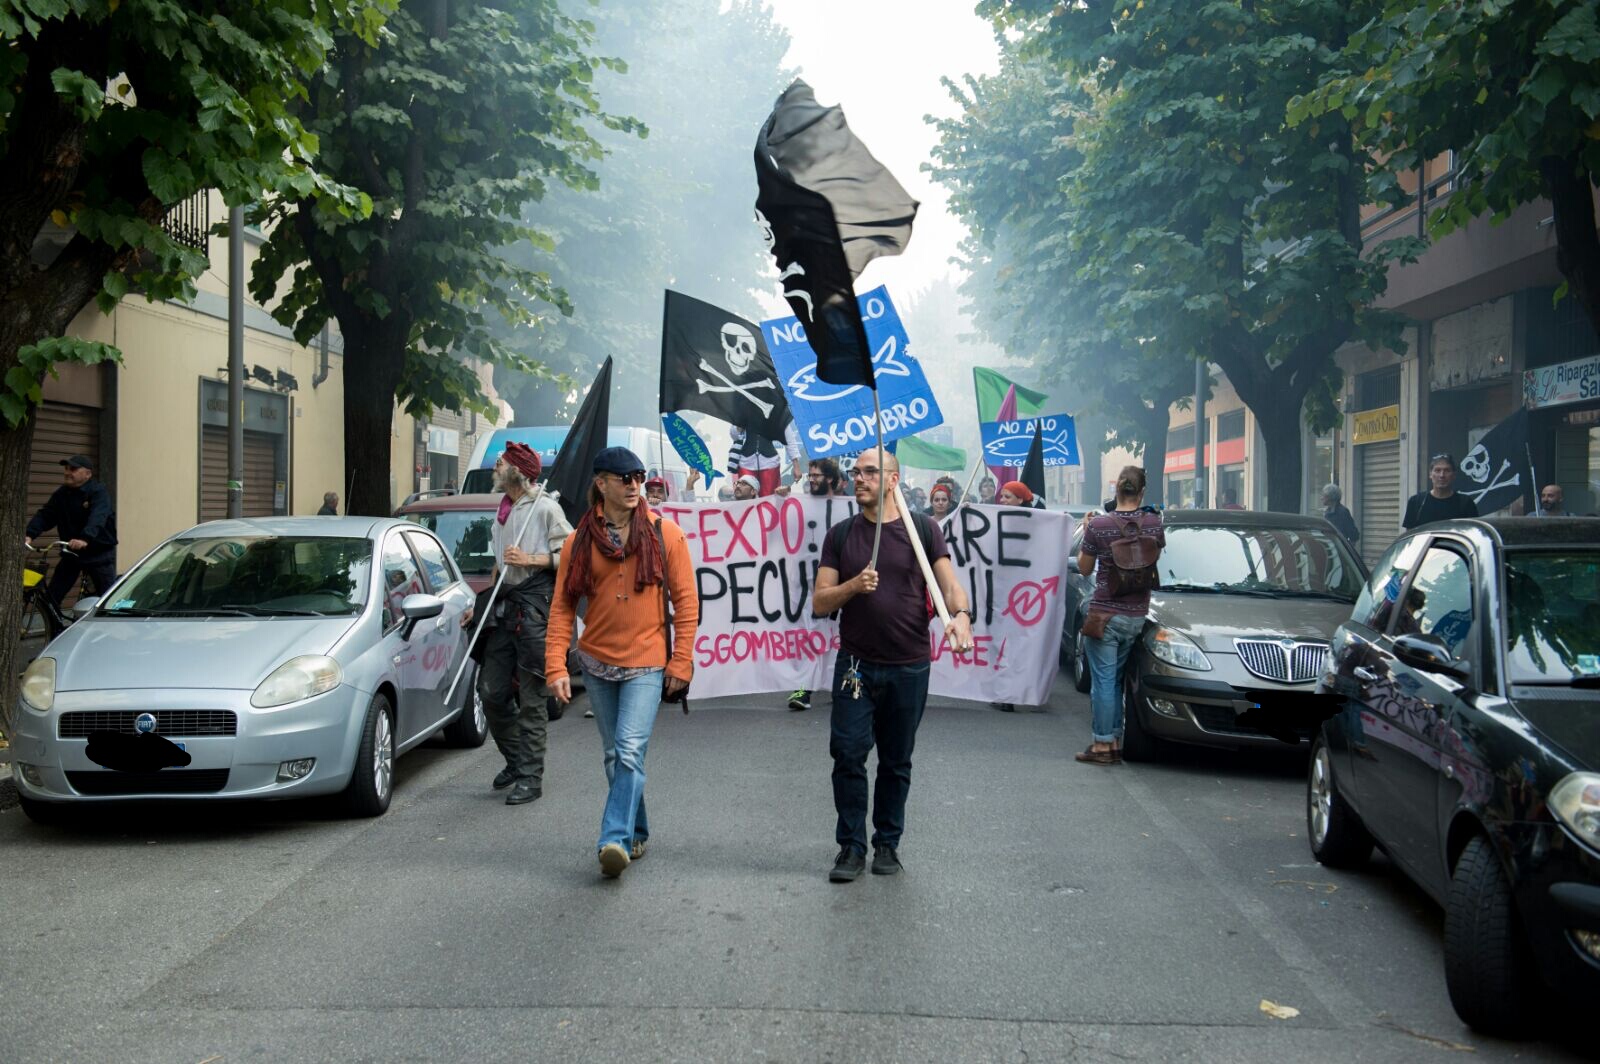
(1466, 744)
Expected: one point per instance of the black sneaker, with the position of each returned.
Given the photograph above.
(505, 778)
(848, 866)
(885, 862)
(800, 701)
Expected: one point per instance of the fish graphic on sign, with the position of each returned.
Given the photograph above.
(803, 383)
(1006, 443)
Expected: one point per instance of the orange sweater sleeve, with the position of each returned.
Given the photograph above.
(558, 633)
(685, 601)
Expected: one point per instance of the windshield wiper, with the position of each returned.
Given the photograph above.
(1186, 588)
(271, 611)
(1285, 592)
(209, 611)
(130, 611)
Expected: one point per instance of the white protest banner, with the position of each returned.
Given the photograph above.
(756, 564)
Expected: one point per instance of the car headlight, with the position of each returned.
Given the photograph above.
(297, 678)
(1576, 803)
(39, 684)
(1174, 648)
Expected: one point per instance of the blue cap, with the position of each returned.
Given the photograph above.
(618, 460)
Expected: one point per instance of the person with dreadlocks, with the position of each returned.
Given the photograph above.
(527, 534)
(638, 636)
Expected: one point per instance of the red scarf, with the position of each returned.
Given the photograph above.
(649, 564)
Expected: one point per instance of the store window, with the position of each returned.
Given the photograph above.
(1180, 492)
(1230, 486)
(1577, 467)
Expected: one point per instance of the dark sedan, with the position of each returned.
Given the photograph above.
(1467, 746)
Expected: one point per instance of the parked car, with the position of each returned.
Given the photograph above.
(1248, 603)
(271, 658)
(1468, 748)
(463, 523)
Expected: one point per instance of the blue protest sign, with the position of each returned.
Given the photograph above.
(690, 447)
(837, 419)
(1006, 443)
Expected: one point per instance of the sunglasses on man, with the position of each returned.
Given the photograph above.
(636, 477)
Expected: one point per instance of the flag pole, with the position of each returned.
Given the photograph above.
(488, 606)
(883, 477)
(934, 591)
(965, 491)
(1538, 496)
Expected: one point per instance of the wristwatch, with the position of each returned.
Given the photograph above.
(967, 612)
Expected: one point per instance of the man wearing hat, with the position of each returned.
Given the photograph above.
(80, 512)
(747, 487)
(526, 538)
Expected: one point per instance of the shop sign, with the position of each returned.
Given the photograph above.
(1376, 425)
(1567, 382)
(263, 411)
(443, 441)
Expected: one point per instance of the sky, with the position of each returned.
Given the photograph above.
(881, 60)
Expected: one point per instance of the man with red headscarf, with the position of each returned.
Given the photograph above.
(526, 535)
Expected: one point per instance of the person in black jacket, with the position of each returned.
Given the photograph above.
(1442, 502)
(80, 512)
(1339, 515)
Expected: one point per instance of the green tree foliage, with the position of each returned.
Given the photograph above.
(111, 113)
(1009, 158)
(673, 210)
(464, 114)
(1511, 86)
(1233, 235)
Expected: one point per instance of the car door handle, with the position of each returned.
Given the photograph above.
(1361, 672)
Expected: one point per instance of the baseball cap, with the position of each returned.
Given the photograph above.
(78, 461)
(618, 460)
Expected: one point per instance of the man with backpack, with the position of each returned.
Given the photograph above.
(880, 681)
(1121, 548)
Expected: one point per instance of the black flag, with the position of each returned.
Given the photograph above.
(828, 208)
(573, 470)
(717, 363)
(1494, 474)
(1033, 468)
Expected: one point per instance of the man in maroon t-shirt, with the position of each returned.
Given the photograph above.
(880, 681)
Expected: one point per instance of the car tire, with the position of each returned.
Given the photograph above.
(1137, 744)
(1082, 679)
(471, 726)
(372, 782)
(1488, 967)
(1338, 838)
(46, 814)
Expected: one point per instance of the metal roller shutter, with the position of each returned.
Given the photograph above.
(61, 430)
(1381, 505)
(260, 473)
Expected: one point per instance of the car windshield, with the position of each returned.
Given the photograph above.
(1270, 562)
(250, 576)
(465, 534)
(1553, 615)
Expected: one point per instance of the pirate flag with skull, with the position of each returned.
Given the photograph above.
(716, 362)
(1495, 473)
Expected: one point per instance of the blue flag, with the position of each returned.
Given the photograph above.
(690, 447)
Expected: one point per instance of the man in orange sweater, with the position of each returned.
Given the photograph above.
(626, 562)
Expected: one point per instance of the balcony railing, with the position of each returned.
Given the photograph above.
(189, 222)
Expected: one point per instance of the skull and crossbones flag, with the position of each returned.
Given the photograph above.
(716, 362)
(826, 208)
(1495, 473)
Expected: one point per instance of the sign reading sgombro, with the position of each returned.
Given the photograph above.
(837, 419)
(756, 566)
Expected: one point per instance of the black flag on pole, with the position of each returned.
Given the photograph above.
(827, 208)
(717, 363)
(1494, 473)
(573, 470)
(1033, 468)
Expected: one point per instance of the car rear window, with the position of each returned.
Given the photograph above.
(1552, 614)
(465, 534)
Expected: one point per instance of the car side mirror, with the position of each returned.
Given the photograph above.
(1430, 654)
(82, 607)
(416, 609)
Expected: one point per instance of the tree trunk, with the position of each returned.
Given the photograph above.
(371, 377)
(16, 449)
(1571, 193)
(1280, 432)
(1150, 433)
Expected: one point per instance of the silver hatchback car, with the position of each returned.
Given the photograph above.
(271, 658)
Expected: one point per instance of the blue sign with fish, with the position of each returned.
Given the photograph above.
(1006, 443)
(690, 447)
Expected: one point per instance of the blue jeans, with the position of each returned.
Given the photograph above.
(887, 713)
(1107, 657)
(625, 713)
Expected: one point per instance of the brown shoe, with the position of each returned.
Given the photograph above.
(1090, 756)
(613, 859)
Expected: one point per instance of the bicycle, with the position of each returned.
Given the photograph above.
(39, 610)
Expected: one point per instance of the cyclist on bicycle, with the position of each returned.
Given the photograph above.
(80, 512)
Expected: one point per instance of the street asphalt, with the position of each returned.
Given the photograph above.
(1049, 911)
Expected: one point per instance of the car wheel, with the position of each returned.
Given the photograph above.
(372, 782)
(1137, 744)
(49, 814)
(1487, 965)
(1082, 679)
(1338, 838)
(471, 726)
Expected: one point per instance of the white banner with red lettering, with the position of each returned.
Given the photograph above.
(756, 563)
